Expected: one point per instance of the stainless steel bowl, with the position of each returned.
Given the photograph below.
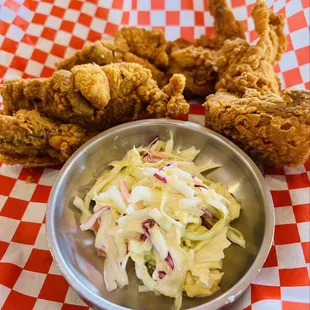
(73, 249)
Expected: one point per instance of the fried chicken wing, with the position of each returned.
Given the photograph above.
(225, 26)
(32, 140)
(248, 106)
(96, 97)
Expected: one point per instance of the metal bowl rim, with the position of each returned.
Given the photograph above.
(228, 296)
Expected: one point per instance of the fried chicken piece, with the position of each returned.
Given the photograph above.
(197, 65)
(107, 52)
(32, 140)
(242, 66)
(248, 107)
(97, 97)
(225, 26)
(274, 128)
(147, 44)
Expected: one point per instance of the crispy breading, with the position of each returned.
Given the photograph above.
(225, 26)
(274, 128)
(95, 97)
(242, 66)
(32, 140)
(106, 52)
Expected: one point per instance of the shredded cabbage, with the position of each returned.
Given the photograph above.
(156, 208)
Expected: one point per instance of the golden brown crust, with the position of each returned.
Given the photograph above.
(32, 140)
(272, 128)
(92, 96)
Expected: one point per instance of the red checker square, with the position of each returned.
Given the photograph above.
(31, 5)
(39, 56)
(276, 68)
(261, 292)
(253, 35)
(118, 4)
(297, 180)
(294, 277)
(157, 4)
(3, 248)
(272, 260)
(20, 22)
(76, 42)
(289, 305)
(47, 72)
(7, 185)
(3, 27)
(302, 213)
(39, 19)
(273, 171)
(182, 117)
(290, 46)
(12, 5)
(29, 39)
(144, 18)
(297, 21)
(110, 29)
(85, 19)
(16, 301)
(237, 3)
(187, 5)
(292, 77)
(281, 198)
(57, 11)
(210, 32)
(102, 13)
(9, 45)
(93, 35)
(307, 164)
(41, 193)
(197, 109)
(250, 7)
(305, 3)
(75, 4)
(172, 18)
(58, 50)
(199, 19)
(14, 208)
(307, 87)
(73, 307)
(306, 250)
(9, 274)
(303, 55)
(285, 234)
(49, 33)
(125, 18)
(187, 33)
(26, 233)
(67, 26)
(54, 288)
(39, 261)
(19, 63)
(134, 4)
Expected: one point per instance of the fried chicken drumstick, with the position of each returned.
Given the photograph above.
(249, 107)
(97, 97)
(32, 140)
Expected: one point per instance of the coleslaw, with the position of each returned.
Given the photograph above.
(156, 208)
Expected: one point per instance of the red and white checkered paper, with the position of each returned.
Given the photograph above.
(34, 35)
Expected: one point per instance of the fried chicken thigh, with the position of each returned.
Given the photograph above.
(29, 139)
(249, 106)
(97, 97)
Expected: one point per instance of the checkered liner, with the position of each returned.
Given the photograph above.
(34, 35)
